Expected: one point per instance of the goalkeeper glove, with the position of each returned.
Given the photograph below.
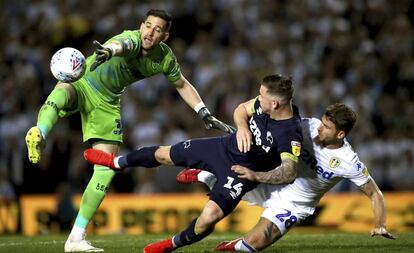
(211, 122)
(102, 55)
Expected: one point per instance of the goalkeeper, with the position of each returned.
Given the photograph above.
(121, 61)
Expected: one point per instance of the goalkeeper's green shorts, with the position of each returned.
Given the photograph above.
(100, 119)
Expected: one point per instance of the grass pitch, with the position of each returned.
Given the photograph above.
(332, 242)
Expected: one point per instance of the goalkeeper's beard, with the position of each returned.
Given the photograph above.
(146, 51)
(148, 46)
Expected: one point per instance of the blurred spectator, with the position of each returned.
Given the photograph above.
(357, 52)
(6, 188)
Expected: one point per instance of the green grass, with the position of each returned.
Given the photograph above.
(332, 242)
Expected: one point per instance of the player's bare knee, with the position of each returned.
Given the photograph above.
(162, 155)
(205, 223)
(210, 218)
(211, 214)
(109, 148)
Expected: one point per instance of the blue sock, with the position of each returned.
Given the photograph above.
(189, 236)
(144, 157)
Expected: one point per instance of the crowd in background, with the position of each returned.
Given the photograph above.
(358, 52)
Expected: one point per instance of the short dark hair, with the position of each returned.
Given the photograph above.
(280, 86)
(342, 116)
(163, 15)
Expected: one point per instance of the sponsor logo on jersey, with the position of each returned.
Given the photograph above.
(258, 134)
(259, 111)
(295, 147)
(309, 159)
(334, 162)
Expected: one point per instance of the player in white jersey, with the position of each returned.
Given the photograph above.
(326, 158)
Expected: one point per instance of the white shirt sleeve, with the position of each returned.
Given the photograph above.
(358, 174)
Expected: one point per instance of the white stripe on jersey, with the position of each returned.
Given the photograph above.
(319, 170)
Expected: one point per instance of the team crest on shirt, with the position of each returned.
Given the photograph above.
(295, 147)
(334, 162)
(155, 65)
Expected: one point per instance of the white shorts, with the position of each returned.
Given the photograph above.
(280, 206)
(284, 218)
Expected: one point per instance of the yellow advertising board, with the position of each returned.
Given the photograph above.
(9, 216)
(137, 214)
(167, 213)
(353, 213)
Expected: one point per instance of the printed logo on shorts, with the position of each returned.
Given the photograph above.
(296, 146)
(187, 144)
(334, 162)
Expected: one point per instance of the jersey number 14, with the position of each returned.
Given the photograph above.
(235, 190)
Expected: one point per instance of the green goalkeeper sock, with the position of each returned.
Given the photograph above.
(94, 194)
(49, 113)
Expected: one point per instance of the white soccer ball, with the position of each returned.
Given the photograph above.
(68, 65)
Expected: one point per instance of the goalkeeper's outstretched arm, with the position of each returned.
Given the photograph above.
(105, 52)
(193, 99)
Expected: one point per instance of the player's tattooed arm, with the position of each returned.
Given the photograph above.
(285, 173)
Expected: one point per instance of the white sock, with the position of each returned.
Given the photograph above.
(77, 234)
(242, 245)
(116, 162)
(208, 178)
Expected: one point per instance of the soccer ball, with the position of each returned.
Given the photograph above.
(68, 65)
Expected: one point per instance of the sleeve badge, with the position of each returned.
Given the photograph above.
(366, 173)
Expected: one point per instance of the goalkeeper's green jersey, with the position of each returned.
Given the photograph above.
(110, 78)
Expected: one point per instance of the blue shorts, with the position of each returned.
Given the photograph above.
(211, 154)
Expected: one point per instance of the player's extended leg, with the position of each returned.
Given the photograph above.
(92, 197)
(196, 231)
(259, 237)
(63, 96)
(148, 157)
